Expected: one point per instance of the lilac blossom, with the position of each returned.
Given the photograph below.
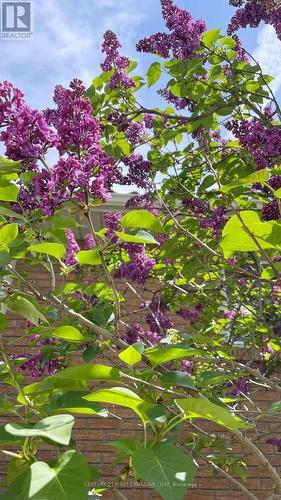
(11, 102)
(143, 201)
(134, 132)
(275, 442)
(240, 386)
(184, 38)
(156, 317)
(216, 221)
(187, 366)
(139, 171)
(276, 294)
(270, 211)
(277, 330)
(148, 120)
(136, 333)
(229, 314)
(89, 241)
(36, 366)
(195, 205)
(264, 143)
(133, 333)
(112, 222)
(253, 12)
(137, 269)
(72, 129)
(76, 126)
(72, 249)
(191, 315)
(115, 62)
(178, 102)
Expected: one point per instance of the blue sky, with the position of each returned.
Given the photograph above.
(68, 34)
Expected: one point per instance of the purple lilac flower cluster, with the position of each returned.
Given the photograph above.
(266, 348)
(36, 366)
(48, 341)
(134, 132)
(73, 120)
(119, 119)
(156, 317)
(138, 171)
(275, 182)
(11, 102)
(89, 241)
(276, 294)
(158, 323)
(148, 120)
(229, 314)
(264, 143)
(138, 268)
(240, 386)
(115, 62)
(195, 205)
(215, 222)
(178, 102)
(277, 330)
(242, 282)
(142, 201)
(187, 366)
(191, 315)
(140, 265)
(216, 136)
(241, 53)
(72, 130)
(72, 249)
(253, 12)
(112, 222)
(275, 442)
(162, 238)
(27, 135)
(270, 211)
(184, 38)
(135, 333)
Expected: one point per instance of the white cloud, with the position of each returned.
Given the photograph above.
(268, 53)
(67, 43)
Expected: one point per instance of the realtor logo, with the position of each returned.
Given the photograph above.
(16, 20)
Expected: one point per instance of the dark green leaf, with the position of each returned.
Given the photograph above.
(66, 481)
(167, 469)
(178, 378)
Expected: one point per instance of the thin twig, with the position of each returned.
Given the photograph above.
(231, 479)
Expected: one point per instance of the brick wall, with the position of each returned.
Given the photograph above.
(93, 434)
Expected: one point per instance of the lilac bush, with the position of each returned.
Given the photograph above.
(197, 245)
